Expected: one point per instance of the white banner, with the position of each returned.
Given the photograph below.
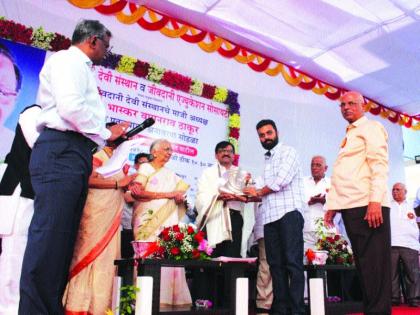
(193, 125)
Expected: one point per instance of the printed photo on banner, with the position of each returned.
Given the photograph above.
(19, 69)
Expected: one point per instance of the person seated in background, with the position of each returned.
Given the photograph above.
(16, 198)
(127, 214)
(92, 270)
(159, 204)
(404, 247)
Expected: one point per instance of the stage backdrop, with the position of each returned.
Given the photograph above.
(29, 60)
(194, 125)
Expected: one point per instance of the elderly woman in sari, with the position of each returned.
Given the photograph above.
(161, 204)
(89, 289)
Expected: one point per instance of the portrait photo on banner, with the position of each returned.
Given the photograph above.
(19, 70)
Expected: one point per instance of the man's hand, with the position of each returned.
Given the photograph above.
(250, 191)
(329, 217)
(118, 130)
(226, 196)
(124, 182)
(136, 189)
(317, 199)
(374, 214)
(179, 197)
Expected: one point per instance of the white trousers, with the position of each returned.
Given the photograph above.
(13, 249)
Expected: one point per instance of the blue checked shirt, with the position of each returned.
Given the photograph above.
(283, 175)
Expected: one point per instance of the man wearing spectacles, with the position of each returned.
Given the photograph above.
(71, 125)
(10, 83)
(220, 212)
(359, 192)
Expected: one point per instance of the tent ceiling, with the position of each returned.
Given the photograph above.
(370, 46)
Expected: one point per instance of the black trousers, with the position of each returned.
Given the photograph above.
(372, 253)
(127, 237)
(284, 250)
(410, 262)
(203, 286)
(232, 248)
(60, 165)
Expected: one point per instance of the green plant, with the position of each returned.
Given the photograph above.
(127, 300)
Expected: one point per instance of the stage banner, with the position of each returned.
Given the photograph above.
(19, 69)
(192, 124)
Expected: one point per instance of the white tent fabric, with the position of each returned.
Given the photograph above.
(369, 46)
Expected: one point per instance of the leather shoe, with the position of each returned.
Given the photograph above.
(413, 304)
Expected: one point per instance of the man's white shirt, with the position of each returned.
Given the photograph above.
(68, 95)
(404, 229)
(317, 210)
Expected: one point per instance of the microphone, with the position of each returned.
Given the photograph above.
(145, 124)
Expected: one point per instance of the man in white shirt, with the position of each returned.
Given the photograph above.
(316, 188)
(405, 247)
(71, 125)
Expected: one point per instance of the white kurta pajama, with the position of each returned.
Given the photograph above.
(218, 224)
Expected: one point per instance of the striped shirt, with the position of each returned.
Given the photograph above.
(283, 175)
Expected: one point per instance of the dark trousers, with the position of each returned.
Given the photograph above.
(232, 248)
(372, 253)
(284, 249)
(60, 165)
(410, 262)
(126, 248)
(203, 283)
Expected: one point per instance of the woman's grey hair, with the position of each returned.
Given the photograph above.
(88, 28)
(155, 144)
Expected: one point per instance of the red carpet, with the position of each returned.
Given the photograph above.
(401, 310)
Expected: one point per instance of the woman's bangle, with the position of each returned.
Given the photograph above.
(116, 184)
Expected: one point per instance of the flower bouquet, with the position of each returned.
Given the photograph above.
(179, 242)
(338, 249)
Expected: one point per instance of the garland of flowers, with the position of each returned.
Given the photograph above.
(54, 42)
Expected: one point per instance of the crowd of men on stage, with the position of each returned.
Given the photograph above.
(52, 174)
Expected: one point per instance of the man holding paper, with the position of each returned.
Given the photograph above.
(71, 125)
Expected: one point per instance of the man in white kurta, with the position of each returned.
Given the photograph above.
(404, 247)
(219, 211)
(316, 189)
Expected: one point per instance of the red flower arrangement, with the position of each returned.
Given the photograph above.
(208, 91)
(15, 32)
(234, 133)
(141, 69)
(176, 81)
(339, 251)
(180, 242)
(60, 42)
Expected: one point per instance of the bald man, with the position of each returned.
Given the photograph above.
(405, 246)
(359, 191)
(316, 188)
